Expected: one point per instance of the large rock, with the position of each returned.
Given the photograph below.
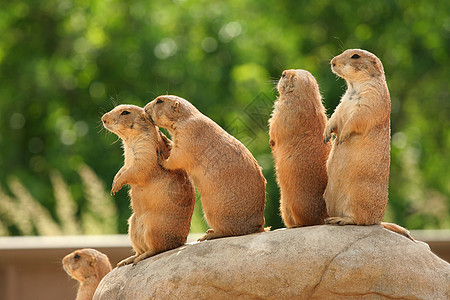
(319, 262)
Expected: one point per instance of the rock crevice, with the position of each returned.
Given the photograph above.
(327, 265)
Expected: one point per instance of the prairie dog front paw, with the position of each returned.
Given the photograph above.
(329, 129)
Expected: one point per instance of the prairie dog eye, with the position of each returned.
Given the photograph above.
(125, 112)
(283, 75)
(76, 256)
(159, 101)
(355, 56)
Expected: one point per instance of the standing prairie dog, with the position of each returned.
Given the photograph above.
(358, 165)
(296, 130)
(227, 176)
(162, 200)
(88, 267)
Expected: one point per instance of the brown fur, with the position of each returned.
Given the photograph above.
(358, 165)
(227, 176)
(88, 267)
(296, 130)
(162, 200)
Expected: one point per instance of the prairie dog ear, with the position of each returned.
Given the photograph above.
(378, 65)
(176, 106)
(142, 116)
(93, 260)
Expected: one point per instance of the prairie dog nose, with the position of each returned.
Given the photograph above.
(333, 62)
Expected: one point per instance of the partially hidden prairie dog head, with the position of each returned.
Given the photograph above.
(297, 82)
(130, 122)
(126, 121)
(86, 263)
(356, 65)
(167, 110)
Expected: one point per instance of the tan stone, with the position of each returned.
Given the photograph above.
(318, 262)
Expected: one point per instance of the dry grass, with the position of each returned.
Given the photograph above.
(29, 217)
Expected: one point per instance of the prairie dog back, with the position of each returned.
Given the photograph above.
(226, 174)
(296, 130)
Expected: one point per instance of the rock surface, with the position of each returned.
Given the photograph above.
(318, 262)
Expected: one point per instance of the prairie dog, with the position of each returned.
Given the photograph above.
(88, 267)
(162, 200)
(296, 130)
(358, 165)
(226, 174)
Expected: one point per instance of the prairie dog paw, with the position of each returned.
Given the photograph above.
(127, 261)
(344, 136)
(117, 185)
(340, 221)
(211, 234)
(329, 129)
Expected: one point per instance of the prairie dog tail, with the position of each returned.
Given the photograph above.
(398, 229)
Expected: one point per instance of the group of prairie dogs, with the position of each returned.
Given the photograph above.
(322, 180)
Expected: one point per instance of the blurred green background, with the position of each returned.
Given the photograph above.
(64, 63)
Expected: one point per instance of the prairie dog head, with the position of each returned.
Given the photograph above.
(85, 263)
(167, 110)
(356, 65)
(299, 82)
(126, 121)
(130, 121)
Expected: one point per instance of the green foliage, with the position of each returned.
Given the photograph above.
(61, 63)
